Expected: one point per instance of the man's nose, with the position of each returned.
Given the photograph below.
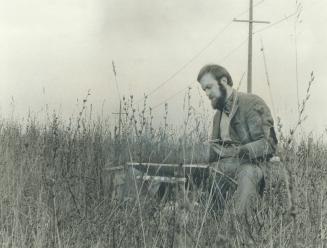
(208, 93)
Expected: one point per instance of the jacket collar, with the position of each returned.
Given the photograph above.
(231, 104)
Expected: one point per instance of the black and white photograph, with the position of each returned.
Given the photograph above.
(154, 124)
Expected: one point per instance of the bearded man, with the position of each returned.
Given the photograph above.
(243, 137)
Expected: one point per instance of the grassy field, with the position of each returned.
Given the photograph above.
(56, 191)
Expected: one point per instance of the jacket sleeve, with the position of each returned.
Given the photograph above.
(261, 128)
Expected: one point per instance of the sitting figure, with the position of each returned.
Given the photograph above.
(243, 136)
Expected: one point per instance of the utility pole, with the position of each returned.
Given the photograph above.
(250, 21)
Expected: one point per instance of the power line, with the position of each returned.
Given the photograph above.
(234, 50)
(188, 62)
(276, 23)
(196, 55)
(207, 46)
(224, 58)
(287, 17)
(182, 90)
(172, 96)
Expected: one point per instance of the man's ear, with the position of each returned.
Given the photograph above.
(224, 81)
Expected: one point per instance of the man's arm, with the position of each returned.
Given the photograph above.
(260, 124)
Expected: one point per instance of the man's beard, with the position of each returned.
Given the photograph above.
(219, 103)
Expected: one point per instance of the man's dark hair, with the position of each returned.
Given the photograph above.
(217, 72)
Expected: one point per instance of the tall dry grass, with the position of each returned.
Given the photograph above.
(56, 190)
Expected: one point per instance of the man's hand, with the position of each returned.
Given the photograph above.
(225, 152)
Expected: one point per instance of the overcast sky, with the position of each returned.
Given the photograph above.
(53, 51)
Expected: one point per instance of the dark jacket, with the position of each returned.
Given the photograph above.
(251, 126)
